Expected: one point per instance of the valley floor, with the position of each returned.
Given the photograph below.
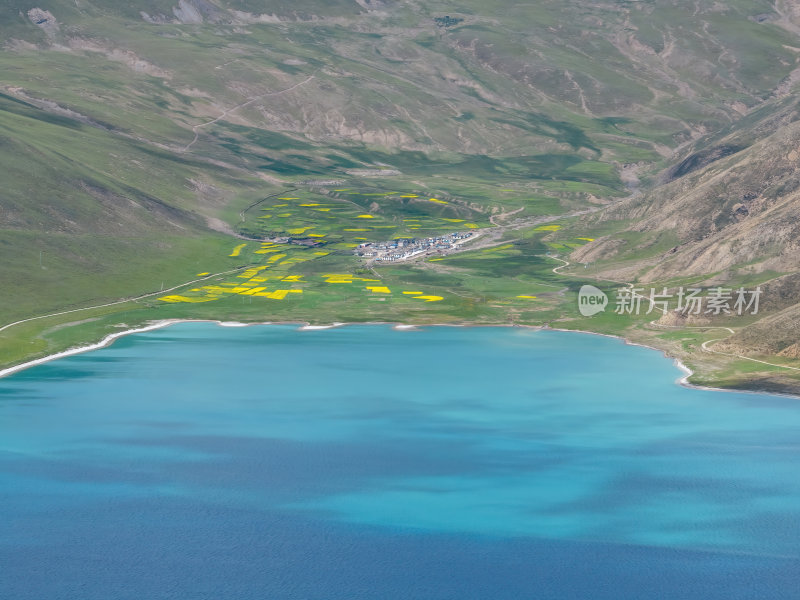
(515, 273)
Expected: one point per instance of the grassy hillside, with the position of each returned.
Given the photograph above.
(139, 139)
(85, 218)
(726, 214)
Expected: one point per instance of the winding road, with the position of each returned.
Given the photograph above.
(704, 345)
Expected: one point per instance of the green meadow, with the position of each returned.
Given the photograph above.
(141, 153)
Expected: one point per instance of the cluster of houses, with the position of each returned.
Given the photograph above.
(404, 248)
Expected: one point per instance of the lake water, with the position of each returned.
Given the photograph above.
(200, 461)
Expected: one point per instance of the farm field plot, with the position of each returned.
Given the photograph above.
(306, 240)
(348, 215)
(298, 263)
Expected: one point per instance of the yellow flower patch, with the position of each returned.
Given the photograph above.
(176, 298)
(379, 289)
(278, 294)
(344, 278)
(251, 272)
(338, 278)
(252, 291)
(237, 250)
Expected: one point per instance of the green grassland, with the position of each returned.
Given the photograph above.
(139, 153)
(510, 283)
(327, 283)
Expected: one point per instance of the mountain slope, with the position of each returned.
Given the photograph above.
(741, 209)
(92, 219)
(137, 137)
(728, 214)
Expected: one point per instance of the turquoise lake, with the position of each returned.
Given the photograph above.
(199, 461)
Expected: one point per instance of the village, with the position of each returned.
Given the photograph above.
(406, 248)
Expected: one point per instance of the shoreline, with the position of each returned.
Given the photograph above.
(306, 326)
(687, 372)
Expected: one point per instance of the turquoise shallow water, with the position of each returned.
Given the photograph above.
(265, 462)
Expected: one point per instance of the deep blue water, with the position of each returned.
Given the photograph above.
(264, 462)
